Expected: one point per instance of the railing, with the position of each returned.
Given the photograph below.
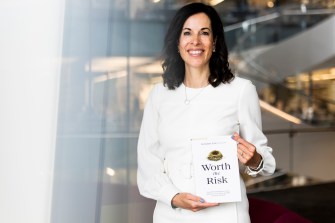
(299, 149)
(252, 37)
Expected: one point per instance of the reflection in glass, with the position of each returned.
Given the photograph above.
(111, 51)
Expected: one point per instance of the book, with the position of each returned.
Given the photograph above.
(216, 169)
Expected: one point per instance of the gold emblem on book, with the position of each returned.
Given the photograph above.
(215, 155)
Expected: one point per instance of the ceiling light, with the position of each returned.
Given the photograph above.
(279, 113)
(215, 2)
(110, 171)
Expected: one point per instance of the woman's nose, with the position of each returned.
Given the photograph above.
(196, 40)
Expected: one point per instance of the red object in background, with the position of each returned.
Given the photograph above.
(262, 211)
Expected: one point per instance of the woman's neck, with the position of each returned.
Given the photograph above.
(196, 78)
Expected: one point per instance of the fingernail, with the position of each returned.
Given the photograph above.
(202, 200)
(232, 136)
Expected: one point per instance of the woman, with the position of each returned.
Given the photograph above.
(199, 97)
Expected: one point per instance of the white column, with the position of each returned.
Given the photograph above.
(30, 52)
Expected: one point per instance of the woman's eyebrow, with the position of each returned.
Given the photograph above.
(200, 29)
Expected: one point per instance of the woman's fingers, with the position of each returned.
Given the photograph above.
(191, 202)
(202, 205)
(246, 144)
(245, 150)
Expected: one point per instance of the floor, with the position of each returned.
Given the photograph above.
(311, 199)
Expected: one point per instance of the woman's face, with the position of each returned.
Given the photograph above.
(196, 41)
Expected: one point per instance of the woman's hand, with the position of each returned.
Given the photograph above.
(246, 152)
(191, 202)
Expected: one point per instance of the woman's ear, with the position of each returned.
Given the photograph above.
(214, 42)
(214, 45)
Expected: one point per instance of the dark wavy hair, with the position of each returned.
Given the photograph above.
(174, 66)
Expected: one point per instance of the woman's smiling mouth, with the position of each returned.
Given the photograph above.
(195, 52)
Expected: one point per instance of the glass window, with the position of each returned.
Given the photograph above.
(111, 51)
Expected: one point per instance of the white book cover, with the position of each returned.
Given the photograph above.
(216, 169)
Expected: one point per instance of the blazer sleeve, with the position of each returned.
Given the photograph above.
(152, 180)
(251, 128)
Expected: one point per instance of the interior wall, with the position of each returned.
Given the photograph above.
(308, 154)
(30, 43)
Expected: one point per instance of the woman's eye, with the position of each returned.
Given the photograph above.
(187, 33)
(205, 33)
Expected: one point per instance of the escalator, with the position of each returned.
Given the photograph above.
(290, 57)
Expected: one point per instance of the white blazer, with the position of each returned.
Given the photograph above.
(164, 148)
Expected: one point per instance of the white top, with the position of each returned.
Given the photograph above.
(164, 147)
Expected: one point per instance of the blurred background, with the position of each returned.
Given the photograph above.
(75, 75)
